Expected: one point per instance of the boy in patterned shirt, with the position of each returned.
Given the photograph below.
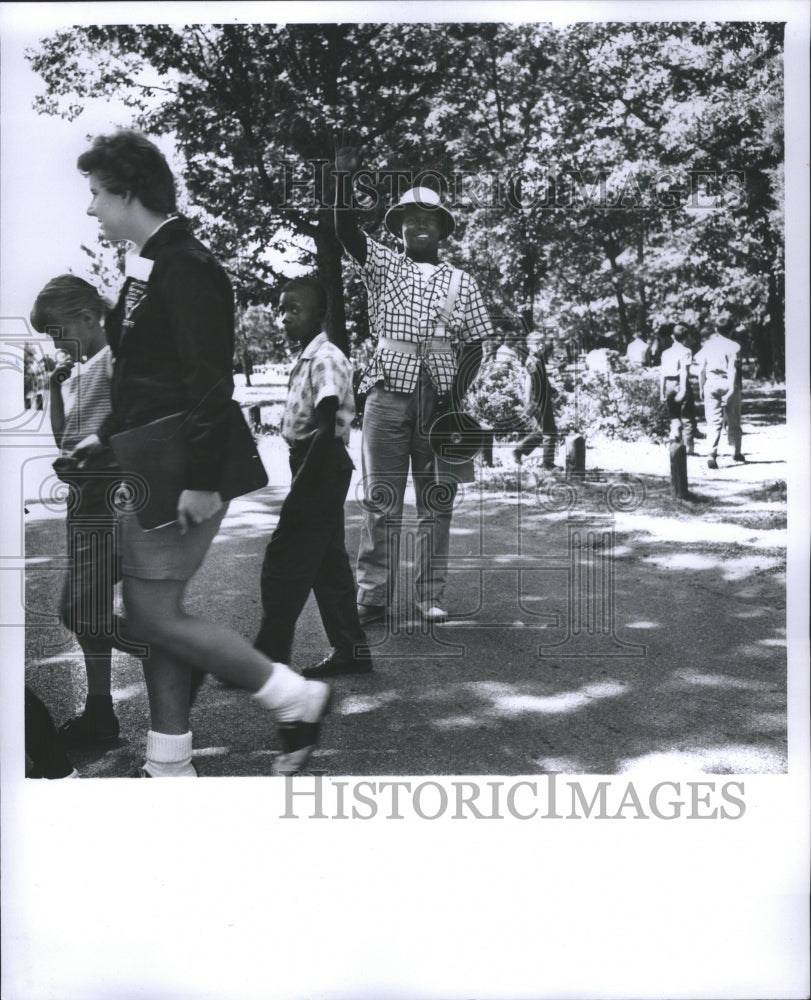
(307, 551)
(423, 363)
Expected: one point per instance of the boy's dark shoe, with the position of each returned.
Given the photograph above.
(299, 738)
(370, 613)
(711, 463)
(342, 661)
(89, 730)
(739, 457)
(698, 435)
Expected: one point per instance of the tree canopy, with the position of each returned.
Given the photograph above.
(605, 176)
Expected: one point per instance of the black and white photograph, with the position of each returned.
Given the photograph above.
(405, 436)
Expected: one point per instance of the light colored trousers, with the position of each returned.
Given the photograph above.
(395, 435)
(715, 388)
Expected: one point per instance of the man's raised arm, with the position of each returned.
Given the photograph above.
(353, 239)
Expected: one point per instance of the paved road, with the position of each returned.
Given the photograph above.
(580, 641)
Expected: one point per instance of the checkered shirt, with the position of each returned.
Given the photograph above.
(405, 305)
(322, 370)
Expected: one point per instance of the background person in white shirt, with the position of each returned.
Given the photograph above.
(675, 388)
(719, 382)
(637, 352)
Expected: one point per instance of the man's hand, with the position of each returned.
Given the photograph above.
(194, 506)
(726, 397)
(679, 396)
(347, 160)
(347, 156)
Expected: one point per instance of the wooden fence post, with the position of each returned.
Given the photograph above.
(678, 470)
(576, 455)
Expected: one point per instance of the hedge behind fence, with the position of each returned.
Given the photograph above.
(622, 403)
(614, 404)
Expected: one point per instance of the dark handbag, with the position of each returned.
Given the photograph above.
(153, 460)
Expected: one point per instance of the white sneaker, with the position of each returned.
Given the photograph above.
(432, 612)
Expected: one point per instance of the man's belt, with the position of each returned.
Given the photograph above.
(417, 348)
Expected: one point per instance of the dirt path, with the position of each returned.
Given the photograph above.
(666, 644)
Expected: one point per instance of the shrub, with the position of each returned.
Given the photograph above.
(498, 396)
(622, 404)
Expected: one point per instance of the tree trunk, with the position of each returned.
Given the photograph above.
(247, 366)
(776, 325)
(625, 333)
(642, 324)
(762, 346)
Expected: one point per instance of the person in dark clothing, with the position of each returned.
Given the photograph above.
(172, 336)
(541, 413)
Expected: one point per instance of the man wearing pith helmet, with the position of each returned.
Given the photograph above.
(429, 320)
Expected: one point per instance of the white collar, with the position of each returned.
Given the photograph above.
(312, 347)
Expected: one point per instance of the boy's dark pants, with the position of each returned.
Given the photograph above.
(683, 412)
(307, 553)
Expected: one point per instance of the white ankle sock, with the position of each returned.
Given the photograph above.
(283, 694)
(168, 755)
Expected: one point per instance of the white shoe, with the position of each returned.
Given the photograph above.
(432, 612)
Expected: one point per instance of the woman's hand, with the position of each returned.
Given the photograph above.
(61, 373)
(194, 506)
(87, 446)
